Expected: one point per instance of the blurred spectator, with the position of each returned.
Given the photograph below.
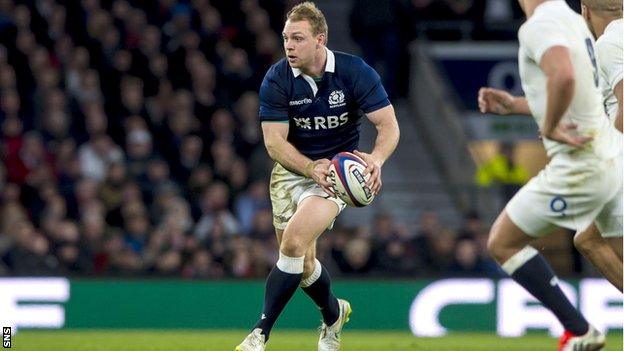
(473, 225)
(216, 216)
(357, 257)
(379, 27)
(466, 259)
(202, 266)
(503, 170)
(97, 155)
(31, 254)
(250, 204)
(441, 251)
(26, 159)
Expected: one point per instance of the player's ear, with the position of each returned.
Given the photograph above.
(584, 11)
(320, 40)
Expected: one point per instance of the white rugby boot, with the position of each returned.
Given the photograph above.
(330, 335)
(253, 342)
(593, 340)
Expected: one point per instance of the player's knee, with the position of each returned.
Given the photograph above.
(616, 245)
(493, 245)
(583, 242)
(499, 244)
(292, 247)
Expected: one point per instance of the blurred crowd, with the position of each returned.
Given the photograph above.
(388, 249)
(131, 147)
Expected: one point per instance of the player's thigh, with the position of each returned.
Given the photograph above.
(583, 239)
(278, 234)
(285, 188)
(616, 245)
(506, 238)
(591, 238)
(314, 214)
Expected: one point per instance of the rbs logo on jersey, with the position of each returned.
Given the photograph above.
(321, 122)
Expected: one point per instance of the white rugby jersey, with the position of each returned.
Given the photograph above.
(554, 24)
(609, 52)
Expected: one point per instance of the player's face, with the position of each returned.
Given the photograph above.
(300, 44)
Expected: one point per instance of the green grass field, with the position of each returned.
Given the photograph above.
(196, 340)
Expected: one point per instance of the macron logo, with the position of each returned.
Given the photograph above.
(300, 102)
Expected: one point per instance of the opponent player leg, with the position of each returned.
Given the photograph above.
(616, 246)
(600, 252)
(314, 214)
(508, 244)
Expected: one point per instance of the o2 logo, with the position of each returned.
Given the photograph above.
(558, 205)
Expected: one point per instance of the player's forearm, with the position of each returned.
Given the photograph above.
(284, 153)
(520, 106)
(560, 91)
(388, 134)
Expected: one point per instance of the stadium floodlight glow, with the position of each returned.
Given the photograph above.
(426, 307)
(15, 293)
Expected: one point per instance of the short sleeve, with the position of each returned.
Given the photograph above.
(539, 35)
(273, 100)
(368, 90)
(610, 62)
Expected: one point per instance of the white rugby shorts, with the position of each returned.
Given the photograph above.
(288, 189)
(571, 193)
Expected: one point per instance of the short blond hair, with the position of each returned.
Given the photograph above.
(307, 11)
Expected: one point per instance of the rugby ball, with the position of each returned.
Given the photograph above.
(346, 173)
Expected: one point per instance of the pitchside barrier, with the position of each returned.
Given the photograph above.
(426, 307)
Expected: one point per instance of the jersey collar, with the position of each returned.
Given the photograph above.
(330, 65)
(610, 26)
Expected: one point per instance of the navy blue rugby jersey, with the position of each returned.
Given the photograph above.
(324, 119)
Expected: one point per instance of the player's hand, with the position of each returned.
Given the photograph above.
(319, 171)
(373, 167)
(566, 133)
(495, 101)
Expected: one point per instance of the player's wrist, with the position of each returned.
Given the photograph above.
(548, 130)
(309, 168)
(515, 106)
(377, 160)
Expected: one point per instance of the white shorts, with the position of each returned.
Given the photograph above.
(288, 189)
(567, 195)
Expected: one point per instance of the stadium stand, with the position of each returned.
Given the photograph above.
(131, 144)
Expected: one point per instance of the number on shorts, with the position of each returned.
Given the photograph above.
(558, 204)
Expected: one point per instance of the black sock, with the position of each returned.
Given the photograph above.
(536, 276)
(280, 287)
(320, 292)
